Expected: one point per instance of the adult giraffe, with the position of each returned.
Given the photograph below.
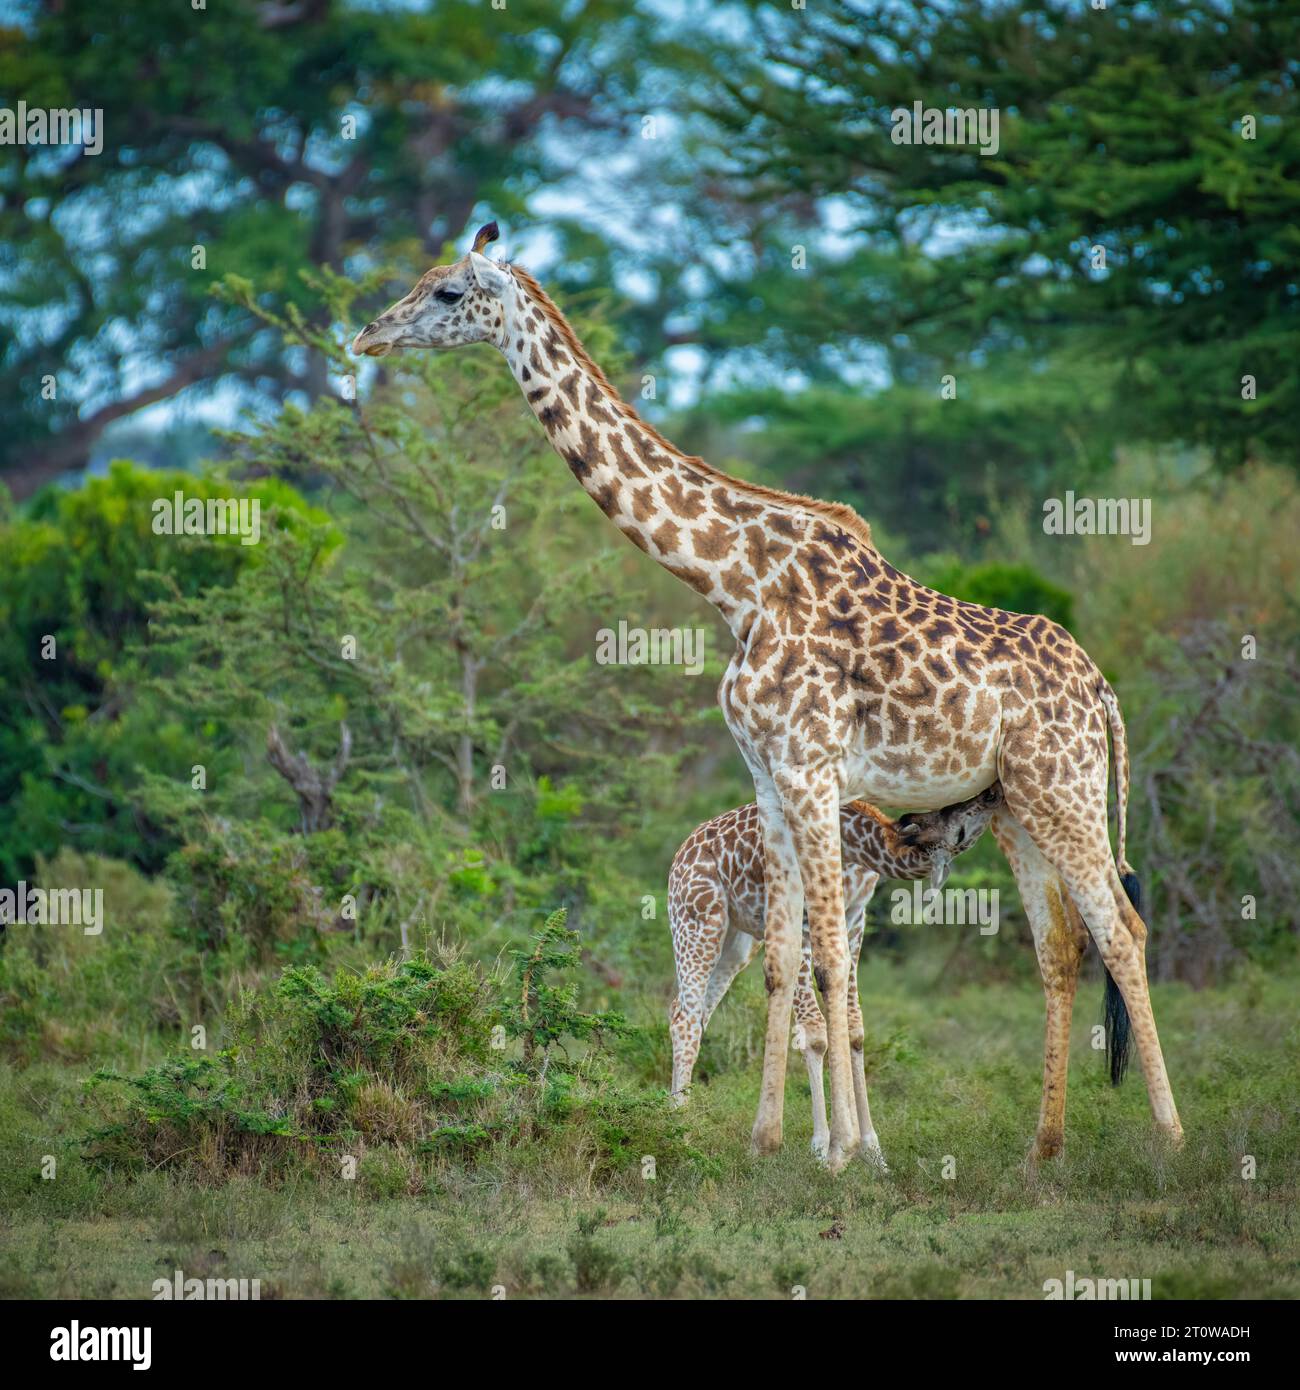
(848, 680)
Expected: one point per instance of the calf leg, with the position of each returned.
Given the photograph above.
(810, 1039)
(871, 1150)
(698, 934)
(737, 951)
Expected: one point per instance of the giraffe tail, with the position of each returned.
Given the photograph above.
(1119, 762)
(1117, 1029)
(1117, 1021)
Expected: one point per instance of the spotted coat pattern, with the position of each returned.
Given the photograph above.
(848, 680)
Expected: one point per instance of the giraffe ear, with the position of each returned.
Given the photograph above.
(491, 278)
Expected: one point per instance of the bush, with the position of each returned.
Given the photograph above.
(82, 568)
(1017, 588)
(66, 994)
(404, 1067)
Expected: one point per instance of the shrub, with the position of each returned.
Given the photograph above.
(405, 1066)
(1017, 588)
(64, 993)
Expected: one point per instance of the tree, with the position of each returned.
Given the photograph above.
(256, 142)
(491, 761)
(1113, 272)
(81, 569)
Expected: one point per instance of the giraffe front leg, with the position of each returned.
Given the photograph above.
(781, 943)
(810, 1039)
(811, 801)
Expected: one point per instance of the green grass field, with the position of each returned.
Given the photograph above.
(955, 1090)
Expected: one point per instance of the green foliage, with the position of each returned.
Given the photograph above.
(933, 264)
(401, 1064)
(274, 145)
(82, 568)
(740, 1226)
(490, 754)
(545, 1013)
(1198, 633)
(1017, 588)
(70, 995)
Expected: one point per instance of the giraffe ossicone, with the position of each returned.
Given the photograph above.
(848, 680)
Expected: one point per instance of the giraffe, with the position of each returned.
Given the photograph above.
(715, 911)
(848, 680)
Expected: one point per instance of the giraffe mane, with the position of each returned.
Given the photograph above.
(867, 811)
(865, 808)
(838, 512)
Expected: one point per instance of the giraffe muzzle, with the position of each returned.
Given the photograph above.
(940, 864)
(365, 344)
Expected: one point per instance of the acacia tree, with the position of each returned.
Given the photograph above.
(417, 676)
(254, 138)
(1110, 274)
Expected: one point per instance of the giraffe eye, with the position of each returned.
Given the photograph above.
(449, 296)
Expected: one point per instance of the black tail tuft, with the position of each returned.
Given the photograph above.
(1117, 1030)
(1134, 890)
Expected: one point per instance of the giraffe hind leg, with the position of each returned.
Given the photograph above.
(1076, 843)
(698, 935)
(737, 951)
(1059, 942)
(1120, 935)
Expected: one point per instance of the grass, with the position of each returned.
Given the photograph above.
(954, 1091)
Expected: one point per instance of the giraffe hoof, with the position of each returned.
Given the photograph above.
(1048, 1148)
(841, 1151)
(836, 1159)
(872, 1154)
(820, 1147)
(677, 1099)
(764, 1143)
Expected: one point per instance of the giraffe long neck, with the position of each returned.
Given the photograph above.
(681, 513)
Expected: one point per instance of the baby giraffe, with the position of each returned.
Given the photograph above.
(716, 908)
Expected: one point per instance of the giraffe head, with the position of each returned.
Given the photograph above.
(451, 305)
(950, 831)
